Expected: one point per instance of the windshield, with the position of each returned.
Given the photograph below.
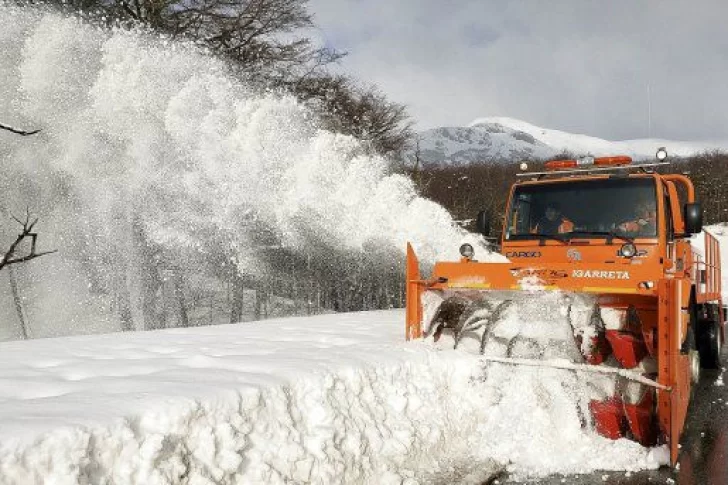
(606, 207)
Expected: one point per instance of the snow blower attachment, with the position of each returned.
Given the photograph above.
(618, 237)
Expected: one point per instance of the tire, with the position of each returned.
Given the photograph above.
(691, 348)
(709, 345)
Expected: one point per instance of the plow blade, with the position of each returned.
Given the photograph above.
(621, 324)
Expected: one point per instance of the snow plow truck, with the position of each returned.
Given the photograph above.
(627, 236)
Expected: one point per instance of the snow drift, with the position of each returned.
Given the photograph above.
(326, 399)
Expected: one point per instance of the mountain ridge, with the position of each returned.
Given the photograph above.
(501, 139)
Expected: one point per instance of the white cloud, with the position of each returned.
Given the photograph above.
(582, 66)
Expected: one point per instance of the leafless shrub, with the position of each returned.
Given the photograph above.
(13, 254)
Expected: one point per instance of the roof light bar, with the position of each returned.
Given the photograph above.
(644, 167)
(586, 161)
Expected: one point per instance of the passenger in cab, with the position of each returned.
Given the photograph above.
(644, 222)
(553, 221)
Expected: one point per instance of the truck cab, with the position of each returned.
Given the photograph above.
(620, 220)
(589, 219)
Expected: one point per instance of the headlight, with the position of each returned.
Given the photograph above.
(661, 154)
(467, 251)
(628, 250)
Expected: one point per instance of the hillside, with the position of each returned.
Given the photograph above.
(500, 139)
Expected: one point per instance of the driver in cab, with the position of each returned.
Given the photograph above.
(553, 221)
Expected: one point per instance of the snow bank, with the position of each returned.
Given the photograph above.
(326, 399)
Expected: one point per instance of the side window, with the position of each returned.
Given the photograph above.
(668, 215)
(521, 216)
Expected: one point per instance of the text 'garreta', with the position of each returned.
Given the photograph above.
(606, 275)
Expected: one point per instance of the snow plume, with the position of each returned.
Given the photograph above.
(152, 155)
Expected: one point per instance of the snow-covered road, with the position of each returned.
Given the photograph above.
(327, 399)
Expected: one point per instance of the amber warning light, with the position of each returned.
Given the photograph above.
(586, 161)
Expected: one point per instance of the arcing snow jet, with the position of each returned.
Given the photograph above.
(156, 165)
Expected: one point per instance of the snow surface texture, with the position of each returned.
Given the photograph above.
(152, 143)
(501, 139)
(326, 399)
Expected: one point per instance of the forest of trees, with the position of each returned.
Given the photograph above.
(268, 43)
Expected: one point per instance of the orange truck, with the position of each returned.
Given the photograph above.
(624, 234)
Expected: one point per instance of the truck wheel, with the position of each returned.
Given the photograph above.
(709, 345)
(690, 347)
(694, 356)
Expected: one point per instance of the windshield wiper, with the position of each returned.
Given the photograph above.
(610, 235)
(548, 236)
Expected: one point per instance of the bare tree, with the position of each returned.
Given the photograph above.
(260, 34)
(11, 256)
(363, 112)
(268, 44)
(264, 37)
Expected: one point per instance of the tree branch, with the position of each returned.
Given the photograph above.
(18, 132)
(27, 232)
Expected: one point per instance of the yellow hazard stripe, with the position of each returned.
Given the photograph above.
(469, 285)
(608, 289)
(528, 287)
(591, 289)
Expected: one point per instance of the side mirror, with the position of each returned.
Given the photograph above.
(482, 223)
(693, 216)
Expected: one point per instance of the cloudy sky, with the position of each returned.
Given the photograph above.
(581, 65)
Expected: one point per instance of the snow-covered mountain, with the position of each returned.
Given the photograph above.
(501, 139)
